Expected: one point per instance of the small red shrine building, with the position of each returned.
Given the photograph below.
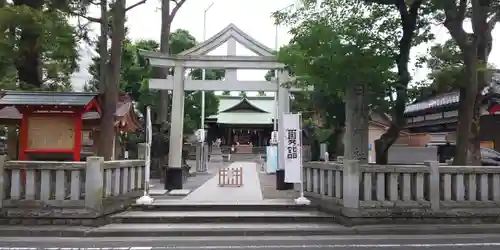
(58, 122)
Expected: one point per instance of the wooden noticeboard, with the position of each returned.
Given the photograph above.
(51, 132)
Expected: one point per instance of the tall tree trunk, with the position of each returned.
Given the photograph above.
(111, 94)
(103, 46)
(483, 77)
(468, 96)
(163, 102)
(356, 131)
(29, 63)
(408, 22)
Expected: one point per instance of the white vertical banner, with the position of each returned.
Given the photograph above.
(293, 148)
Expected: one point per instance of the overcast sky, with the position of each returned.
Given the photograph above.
(252, 16)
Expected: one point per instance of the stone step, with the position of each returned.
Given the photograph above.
(221, 217)
(181, 205)
(218, 229)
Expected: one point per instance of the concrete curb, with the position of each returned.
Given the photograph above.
(415, 229)
(43, 231)
(56, 231)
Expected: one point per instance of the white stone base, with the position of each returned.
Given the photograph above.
(302, 201)
(145, 200)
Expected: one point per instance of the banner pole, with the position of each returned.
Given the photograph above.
(302, 200)
(146, 199)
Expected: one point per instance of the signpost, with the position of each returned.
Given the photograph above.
(146, 199)
(293, 153)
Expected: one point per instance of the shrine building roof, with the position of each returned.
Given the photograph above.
(451, 99)
(125, 115)
(46, 98)
(245, 110)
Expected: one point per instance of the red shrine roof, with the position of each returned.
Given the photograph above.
(125, 115)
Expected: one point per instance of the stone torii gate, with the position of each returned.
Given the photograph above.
(197, 57)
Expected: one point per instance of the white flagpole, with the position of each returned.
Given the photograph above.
(302, 200)
(146, 199)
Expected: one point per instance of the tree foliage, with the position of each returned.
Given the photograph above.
(38, 46)
(414, 17)
(346, 43)
(342, 44)
(135, 77)
(475, 48)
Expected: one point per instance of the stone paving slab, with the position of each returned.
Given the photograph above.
(179, 192)
(154, 192)
(268, 188)
(250, 191)
(268, 202)
(192, 183)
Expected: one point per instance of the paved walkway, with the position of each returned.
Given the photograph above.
(193, 182)
(250, 191)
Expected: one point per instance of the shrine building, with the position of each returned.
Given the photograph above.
(245, 122)
(60, 125)
(435, 119)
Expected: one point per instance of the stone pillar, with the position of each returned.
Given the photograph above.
(356, 123)
(205, 157)
(351, 182)
(141, 151)
(434, 192)
(174, 176)
(283, 107)
(94, 183)
(199, 167)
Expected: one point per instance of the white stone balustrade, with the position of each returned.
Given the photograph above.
(428, 188)
(69, 184)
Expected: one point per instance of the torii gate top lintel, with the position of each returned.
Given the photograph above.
(230, 32)
(196, 57)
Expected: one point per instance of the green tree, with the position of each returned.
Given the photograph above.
(325, 46)
(135, 77)
(226, 92)
(446, 68)
(414, 26)
(475, 48)
(261, 93)
(243, 94)
(38, 47)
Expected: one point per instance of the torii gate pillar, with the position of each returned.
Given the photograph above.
(174, 174)
(283, 108)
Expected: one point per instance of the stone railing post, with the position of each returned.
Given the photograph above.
(2, 179)
(199, 158)
(141, 151)
(351, 174)
(434, 192)
(94, 183)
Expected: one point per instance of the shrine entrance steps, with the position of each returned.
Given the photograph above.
(204, 219)
(214, 210)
